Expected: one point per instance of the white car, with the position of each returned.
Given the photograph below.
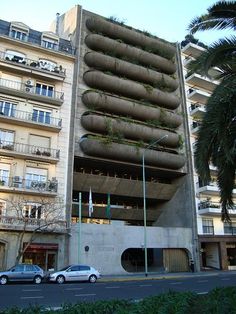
(75, 273)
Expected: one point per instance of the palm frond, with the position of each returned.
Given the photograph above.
(216, 141)
(222, 15)
(221, 55)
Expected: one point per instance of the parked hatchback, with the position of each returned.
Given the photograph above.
(22, 272)
(75, 273)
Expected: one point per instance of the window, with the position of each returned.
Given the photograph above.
(6, 139)
(4, 174)
(75, 268)
(36, 178)
(50, 43)
(45, 90)
(2, 208)
(7, 108)
(19, 34)
(42, 116)
(207, 226)
(33, 211)
(230, 228)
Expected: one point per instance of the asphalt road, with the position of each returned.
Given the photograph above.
(54, 295)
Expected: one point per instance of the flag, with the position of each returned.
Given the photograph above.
(90, 203)
(108, 208)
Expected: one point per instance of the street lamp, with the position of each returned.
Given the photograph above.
(144, 204)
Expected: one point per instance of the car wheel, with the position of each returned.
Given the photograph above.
(60, 279)
(92, 279)
(37, 279)
(3, 280)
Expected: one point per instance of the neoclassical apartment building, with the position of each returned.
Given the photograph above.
(217, 242)
(131, 149)
(36, 76)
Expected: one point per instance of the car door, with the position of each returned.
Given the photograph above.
(72, 274)
(16, 273)
(84, 272)
(30, 272)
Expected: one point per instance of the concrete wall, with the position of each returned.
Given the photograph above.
(107, 243)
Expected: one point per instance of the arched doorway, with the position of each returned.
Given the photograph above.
(158, 259)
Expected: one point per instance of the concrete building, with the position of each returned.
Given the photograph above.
(36, 74)
(129, 93)
(217, 242)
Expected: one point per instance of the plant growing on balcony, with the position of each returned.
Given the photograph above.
(45, 153)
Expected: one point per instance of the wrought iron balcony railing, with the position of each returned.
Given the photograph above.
(31, 89)
(29, 149)
(30, 117)
(28, 184)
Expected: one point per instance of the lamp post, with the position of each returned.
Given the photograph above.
(144, 204)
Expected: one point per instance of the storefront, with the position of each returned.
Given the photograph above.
(41, 254)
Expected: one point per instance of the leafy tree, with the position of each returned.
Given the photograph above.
(46, 216)
(216, 142)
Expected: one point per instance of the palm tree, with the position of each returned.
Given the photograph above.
(216, 142)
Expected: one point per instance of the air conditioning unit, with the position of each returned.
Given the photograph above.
(28, 89)
(17, 179)
(29, 83)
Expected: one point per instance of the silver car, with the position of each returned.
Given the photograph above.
(75, 273)
(22, 272)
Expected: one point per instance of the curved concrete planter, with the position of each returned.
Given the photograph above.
(117, 105)
(132, 71)
(105, 44)
(130, 89)
(131, 36)
(99, 124)
(128, 153)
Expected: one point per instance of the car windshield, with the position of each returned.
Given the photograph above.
(64, 268)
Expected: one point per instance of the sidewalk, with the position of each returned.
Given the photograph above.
(163, 275)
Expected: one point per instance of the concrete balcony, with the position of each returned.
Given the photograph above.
(195, 127)
(24, 151)
(27, 91)
(32, 67)
(30, 224)
(121, 186)
(26, 118)
(19, 185)
(196, 80)
(212, 209)
(211, 189)
(197, 111)
(197, 95)
(192, 50)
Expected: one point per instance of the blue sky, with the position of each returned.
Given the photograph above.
(167, 19)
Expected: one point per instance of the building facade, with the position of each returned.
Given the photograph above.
(129, 96)
(36, 74)
(217, 242)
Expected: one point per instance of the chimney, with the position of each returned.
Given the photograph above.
(57, 23)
